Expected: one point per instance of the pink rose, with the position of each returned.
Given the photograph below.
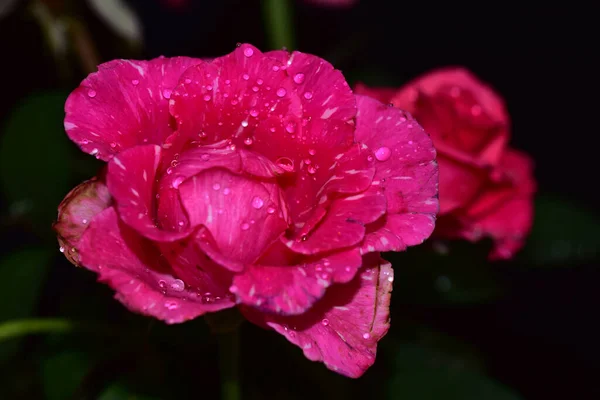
(486, 188)
(253, 180)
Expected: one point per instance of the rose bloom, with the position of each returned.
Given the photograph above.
(486, 187)
(252, 180)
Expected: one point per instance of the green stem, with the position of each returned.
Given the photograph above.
(23, 327)
(279, 23)
(229, 352)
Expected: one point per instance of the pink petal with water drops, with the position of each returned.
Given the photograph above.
(228, 97)
(406, 171)
(199, 271)
(243, 215)
(395, 232)
(124, 104)
(134, 268)
(341, 330)
(292, 289)
(130, 178)
(76, 211)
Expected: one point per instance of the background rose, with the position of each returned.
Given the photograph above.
(257, 180)
(486, 188)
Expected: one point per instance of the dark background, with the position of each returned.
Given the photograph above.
(539, 336)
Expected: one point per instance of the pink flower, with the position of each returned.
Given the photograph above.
(253, 180)
(486, 188)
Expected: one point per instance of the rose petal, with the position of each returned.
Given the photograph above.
(292, 289)
(76, 211)
(124, 104)
(131, 178)
(344, 224)
(406, 170)
(132, 266)
(383, 94)
(243, 215)
(341, 330)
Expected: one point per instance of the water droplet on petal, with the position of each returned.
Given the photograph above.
(178, 285)
(204, 157)
(91, 93)
(312, 152)
(281, 92)
(135, 82)
(162, 284)
(62, 249)
(369, 158)
(188, 81)
(257, 203)
(383, 153)
(311, 169)
(259, 82)
(177, 181)
(254, 113)
(270, 210)
(286, 164)
(366, 335)
(290, 127)
(246, 77)
(248, 141)
(244, 123)
(167, 93)
(216, 186)
(248, 52)
(171, 304)
(299, 78)
(245, 226)
(325, 322)
(207, 97)
(275, 68)
(308, 95)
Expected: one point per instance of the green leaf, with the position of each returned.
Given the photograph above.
(35, 158)
(63, 374)
(563, 232)
(456, 272)
(424, 373)
(24, 273)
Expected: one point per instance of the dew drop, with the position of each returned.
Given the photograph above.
(299, 78)
(246, 77)
(366, 335)
(324, 322)
(178, 285)
(62, 249)
(312, 152)
(162, 284)
(383, 153)
(244, 123)
(308, 95)
(285, 163)
(167, 93)
(188, 81)
(290, 127)
(245, 226)
(171, 304)
(135, 82)
(255, 89)
(91, 93)
(275, 68)
(257, 202)
(370, 158)
(248, 52)
(204, 157)
(113, 144)
(248, 141)
(270, 210)
(207, 97)
(311, 169)
(216, 186)
(169, 171)
(226, 191)
(177, 181)
(254, 113)
(259, 82)
(281, 92)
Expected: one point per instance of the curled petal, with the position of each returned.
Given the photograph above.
(292, 289)
(131, 177)
(76, 211)
(243, 215)
(341, 330)
(124, 104)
